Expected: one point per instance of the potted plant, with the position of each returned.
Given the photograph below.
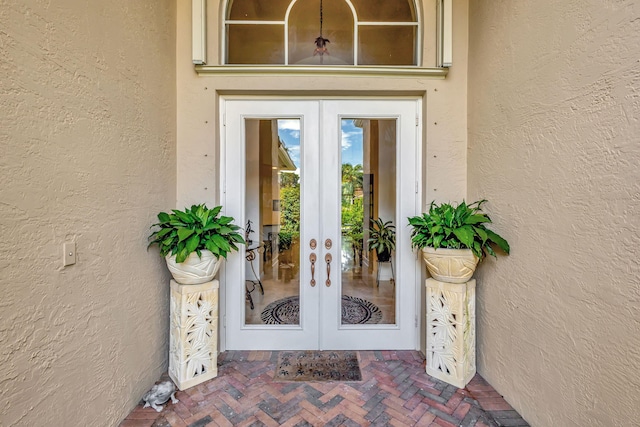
(194, 241)
(454, 239)
(353, 235)
(382, 239)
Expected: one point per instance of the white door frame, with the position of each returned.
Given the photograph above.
(313, 134)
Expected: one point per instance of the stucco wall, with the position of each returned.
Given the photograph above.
(87, 155)
(554, 145)
(444, 121)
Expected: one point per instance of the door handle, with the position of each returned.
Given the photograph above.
(327, 259)
(313, 258)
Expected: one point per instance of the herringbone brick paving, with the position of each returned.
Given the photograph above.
(394, 391)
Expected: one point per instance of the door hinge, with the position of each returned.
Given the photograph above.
(417, 120)
(416, 187)
(224, 119)
(224, 321)
(416, 321)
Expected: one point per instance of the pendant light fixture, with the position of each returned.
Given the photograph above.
(321, 42)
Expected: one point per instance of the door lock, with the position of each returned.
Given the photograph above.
(328, 243)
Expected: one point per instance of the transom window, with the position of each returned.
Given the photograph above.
(321, 32)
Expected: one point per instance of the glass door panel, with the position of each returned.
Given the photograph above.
(368, 201)
(272, 228)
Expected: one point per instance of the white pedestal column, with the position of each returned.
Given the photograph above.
(451, 331)
(193, 341)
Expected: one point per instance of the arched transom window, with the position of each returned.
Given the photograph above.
(321, 32)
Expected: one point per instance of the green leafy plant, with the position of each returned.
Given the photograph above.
(382, 236)
(456, 227)
(195, 229)
(285, 240)
(290, 211)
(353, 235)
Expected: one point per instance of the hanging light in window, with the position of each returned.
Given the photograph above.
(321, 42)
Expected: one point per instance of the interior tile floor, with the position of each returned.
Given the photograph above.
(394, 391)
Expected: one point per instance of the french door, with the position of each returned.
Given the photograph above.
(308, 179)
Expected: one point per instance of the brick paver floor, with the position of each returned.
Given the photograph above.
(394, 391)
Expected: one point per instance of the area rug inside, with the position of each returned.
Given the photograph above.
(318, 366)
(286, 311)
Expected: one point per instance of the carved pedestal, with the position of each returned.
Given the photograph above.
(193, 341)
(451, 331)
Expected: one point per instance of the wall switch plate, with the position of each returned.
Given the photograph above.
(69, 253)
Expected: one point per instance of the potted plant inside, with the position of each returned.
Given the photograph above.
(194, 241)
(382, 239)
(355, 237)
(454, 239)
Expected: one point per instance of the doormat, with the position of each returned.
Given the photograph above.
(318, 366)
(286, 311)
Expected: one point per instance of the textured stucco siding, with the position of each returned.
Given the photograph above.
(87, 155)
(554, 144)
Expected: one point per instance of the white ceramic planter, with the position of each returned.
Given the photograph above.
(194, 270)
(450, 265)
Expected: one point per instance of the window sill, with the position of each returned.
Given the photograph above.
(294, 70)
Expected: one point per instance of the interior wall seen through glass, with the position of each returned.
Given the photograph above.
(251, 40)
(255, 44)
(386, 45)
(337, 28)
(254, 10)
(385, 10)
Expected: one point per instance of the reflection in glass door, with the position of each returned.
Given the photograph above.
(368, 218)
(272, 229)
